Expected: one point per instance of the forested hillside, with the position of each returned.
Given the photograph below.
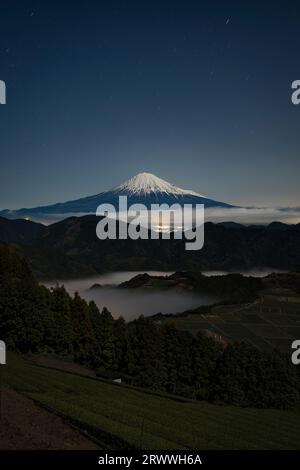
(35, 319)
(70, 248)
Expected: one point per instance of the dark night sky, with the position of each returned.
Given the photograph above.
(196, 92)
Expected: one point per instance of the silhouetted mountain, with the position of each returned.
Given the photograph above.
(71, 248)
(231, 224)
(20, 231)
(233, 287)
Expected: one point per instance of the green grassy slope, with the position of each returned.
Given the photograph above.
(149, 421)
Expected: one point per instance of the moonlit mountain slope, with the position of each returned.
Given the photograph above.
(147, 183)
(144, 188)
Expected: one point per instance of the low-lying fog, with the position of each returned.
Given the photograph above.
(130, 303)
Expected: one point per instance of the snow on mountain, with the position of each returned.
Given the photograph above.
(144, 188)
(146, 183)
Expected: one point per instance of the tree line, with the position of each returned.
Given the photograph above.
(35, 319)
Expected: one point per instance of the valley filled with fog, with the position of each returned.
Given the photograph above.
(131, 303)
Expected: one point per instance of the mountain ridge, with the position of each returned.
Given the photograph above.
(70, 248)
(143, 188)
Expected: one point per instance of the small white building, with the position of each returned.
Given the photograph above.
(2, 353)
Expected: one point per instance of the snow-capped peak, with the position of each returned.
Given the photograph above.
(146, 183)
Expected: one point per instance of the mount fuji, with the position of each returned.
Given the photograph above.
(144, 188)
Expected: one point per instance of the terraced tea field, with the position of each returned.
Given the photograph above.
(132, 417)
(272, 322)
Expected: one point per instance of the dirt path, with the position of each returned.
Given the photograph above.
(24, 425)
